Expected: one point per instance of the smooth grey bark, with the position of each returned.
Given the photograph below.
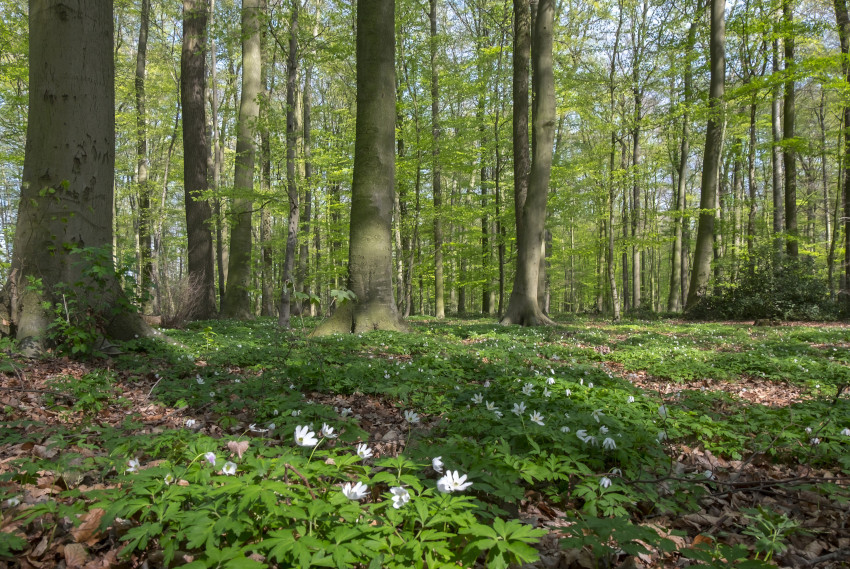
(611, 194)
(304, 252)
(370, 264)
(195, 183)
(288, 287)
(437, 190)
(236, 302)
(68, 178)
(674, 299)
(789, 118)
(521, 59)
(711, 158)
(523, 308)
(217, 163)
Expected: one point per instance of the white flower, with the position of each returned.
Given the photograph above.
(487, 383)
(609, 444)
(304, 437)
(568, 392)
(270, 426)
(13, 501)
(411, 417)
(212, 393)
(132, 465)
(846, 432)
(490, 406)
(709, 474)
(498, 413)
(536, 417)
(400, 496)
(291, 386)
(631, 399)
(346, 411)
(437, 464)
(169, 478)
(199, 379)
(551, 381)
(519, 408)
(327, 431)
(616, 472)
(604, 482)
(808, 430)
(546, 392)
(565, 429)
(596, 414)
(814, 441)
(356, 492)
(190, 423)
(590, 385)
(296, 412)
(527, 389)
(276, 413)
(662, 410)
(477, 398)
(255, 429)
(603, 430)
(229, 468)
(210, 457)
(363, 451)
(453, 482)
(662, 436)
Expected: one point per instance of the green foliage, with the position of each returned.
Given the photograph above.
(770, 529)
(787, 289)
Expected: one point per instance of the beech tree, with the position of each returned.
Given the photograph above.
(523, 307)
(370, 264)
(63, 236)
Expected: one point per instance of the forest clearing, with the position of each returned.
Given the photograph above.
(589, 443)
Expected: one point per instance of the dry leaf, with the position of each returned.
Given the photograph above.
(238, 447)
(87, 532)
(75, 555)
(703, 539)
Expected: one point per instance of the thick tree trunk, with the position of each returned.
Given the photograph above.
(711, 160)
(237, 302)
(523, 308)
(266, 255)
(291, 181)
(66, 207)
(521, 58)
(370, 264)
(198, 214)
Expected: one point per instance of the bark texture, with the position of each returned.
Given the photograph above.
(198, 212)
(67, 187)
(370, 264)
(523, 307)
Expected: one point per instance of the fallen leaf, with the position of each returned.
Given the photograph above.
(75, 555)
(87, 532)
(703, 539)
(238, 447)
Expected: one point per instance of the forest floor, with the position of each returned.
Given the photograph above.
(732, 444)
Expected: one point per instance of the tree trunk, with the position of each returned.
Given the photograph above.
(66, 208)
(145, 261)
(198, 213)
(521, 58)
(776, 129)
(711, 160)
(237, 302)
(439, 292)
(523, 308)
(370, 264)
(789, 115)
(266, 255)
(291, 182)
(843, 21)
(674, 299)
(304, 253)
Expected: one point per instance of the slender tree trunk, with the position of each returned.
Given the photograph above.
(198, 214)
(439, 292)
(304, 254)
(789, 115)
(521, 58)
(523, 308)
(843, 21)
(291, 181)
(146, 264)
(370, 251)
(776, 128)
(711, 160)
(266, 260)
(237, 302)
(218, 162)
